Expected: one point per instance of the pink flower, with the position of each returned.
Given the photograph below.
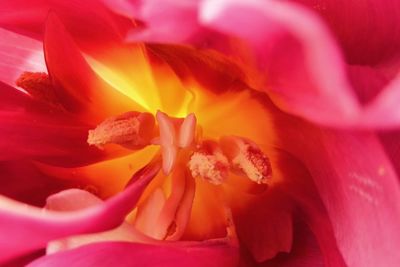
(277, 143)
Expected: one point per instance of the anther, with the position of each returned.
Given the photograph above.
(39, 87)
(209, 163)
(247, 158)
(133, 130)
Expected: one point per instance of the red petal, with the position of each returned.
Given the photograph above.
(53, 139)
(265, 226)
(22, 181)
(305, 251)
(11, 98)
(89, 22)
(76, 85)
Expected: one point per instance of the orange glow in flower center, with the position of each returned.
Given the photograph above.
(194, 166)
(210, 140)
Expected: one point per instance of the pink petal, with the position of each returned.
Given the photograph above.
(76, 199)
(25, 228)
(24, 260)
(383, 110)
(366, 81)
(378, 90)
(304, 67)
(358, 187)
(391, 142)
(300, 193)
(72, 199)
(19, 54)
(208, 253)
(302, 62)
(161, 17)
(353, 23)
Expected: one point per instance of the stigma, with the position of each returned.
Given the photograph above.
(204, 158)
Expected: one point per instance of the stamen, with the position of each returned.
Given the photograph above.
(133, 130)
(39, 86)
(209, 163)
(247, 158)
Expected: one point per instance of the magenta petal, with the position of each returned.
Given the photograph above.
(212, 254)
(358, 187)
(367, 31)
(25, 228)
(304, 66)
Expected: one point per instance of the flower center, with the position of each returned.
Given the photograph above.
(181, 141)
